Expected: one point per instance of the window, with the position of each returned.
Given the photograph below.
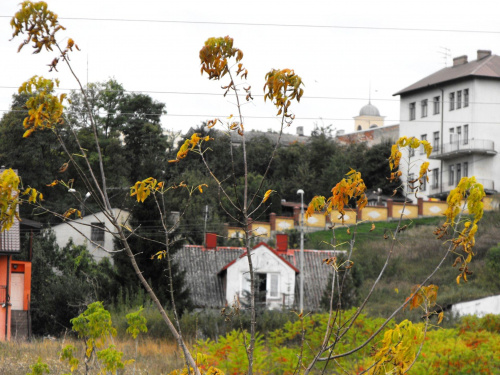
(266, 285)
(435, 178)
(459, 172)
(466, 134)
(423, 182)
(459, 99)
(437, 106)
(452, 101)
(459, 134)
(423, 103)
(273, 279)
(423, 137)
(452, 135)
(466, 97)
(412, 111)
(97, 232)
(435, 145)
(466, 169)
(451, 180)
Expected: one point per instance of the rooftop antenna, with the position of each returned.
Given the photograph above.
(446, 53)
(87, 70)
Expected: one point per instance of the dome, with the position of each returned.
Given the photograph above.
(369, 110)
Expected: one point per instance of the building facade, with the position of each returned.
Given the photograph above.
(93, 231)
(15, 285)
(457, 110)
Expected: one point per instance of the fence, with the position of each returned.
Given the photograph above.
(319, 221)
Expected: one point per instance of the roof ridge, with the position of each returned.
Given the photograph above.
(480, 65)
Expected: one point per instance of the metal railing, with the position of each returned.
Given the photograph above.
(484, 146)
(432, 189)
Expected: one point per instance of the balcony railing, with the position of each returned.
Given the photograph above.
(460, 148)
(437, 192)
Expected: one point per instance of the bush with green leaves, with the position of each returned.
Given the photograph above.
(94, 327)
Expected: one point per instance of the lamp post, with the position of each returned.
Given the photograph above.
(301, 301)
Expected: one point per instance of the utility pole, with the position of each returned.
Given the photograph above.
(301, 301)
(205, 227)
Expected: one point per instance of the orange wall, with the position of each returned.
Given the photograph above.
(3, 310)
(24, 267)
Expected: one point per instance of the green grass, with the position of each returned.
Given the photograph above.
(363, 233)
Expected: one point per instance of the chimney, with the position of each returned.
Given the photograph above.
(281, 243)
(460, 60)
(300, 131)
(210, 241)
(482, 53)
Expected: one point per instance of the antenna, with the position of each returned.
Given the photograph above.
(446, 52)
(87, 70)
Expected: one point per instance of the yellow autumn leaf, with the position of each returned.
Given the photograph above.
(28, 132)
(200, 187)
(267, 195)
(440, 317)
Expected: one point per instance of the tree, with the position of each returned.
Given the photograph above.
(64, 282)
(398, 350)
(42, 153)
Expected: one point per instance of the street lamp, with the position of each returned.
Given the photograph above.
(301, 301)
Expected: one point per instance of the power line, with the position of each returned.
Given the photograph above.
(258, 24)
(253, 95)
(302, 118)
(212, 94)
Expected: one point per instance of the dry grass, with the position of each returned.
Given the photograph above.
(153, 356)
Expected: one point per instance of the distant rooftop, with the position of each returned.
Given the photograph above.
(369, 110)
(486, 66)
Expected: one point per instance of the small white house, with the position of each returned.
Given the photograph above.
(94, 231)
(275, 278)
(217, 276)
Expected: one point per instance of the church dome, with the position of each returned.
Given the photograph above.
(369, 110)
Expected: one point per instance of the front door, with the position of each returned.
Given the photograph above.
(17, 291)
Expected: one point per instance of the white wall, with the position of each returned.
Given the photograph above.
(479, 307)
(79, 231)
(482, 115)
(264, 261)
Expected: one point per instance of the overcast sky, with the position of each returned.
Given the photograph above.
(339, 48)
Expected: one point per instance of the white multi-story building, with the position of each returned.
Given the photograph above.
(457, 110)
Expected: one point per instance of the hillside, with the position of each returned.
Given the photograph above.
(416, 254)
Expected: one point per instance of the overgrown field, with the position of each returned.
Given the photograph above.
(471, 347)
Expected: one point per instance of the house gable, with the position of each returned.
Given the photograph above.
(274, 277)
